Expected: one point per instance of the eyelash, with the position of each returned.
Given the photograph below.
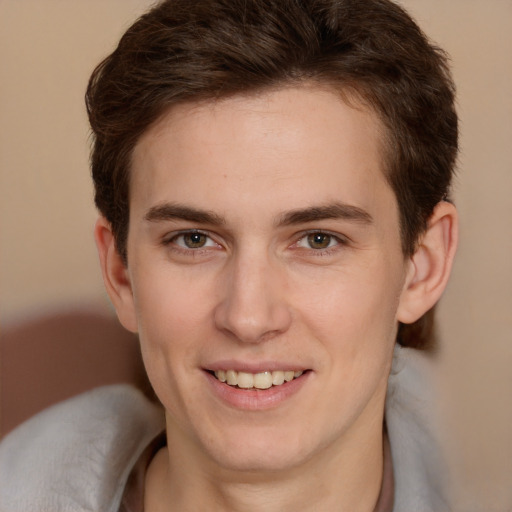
(171, 242)
(321, 252)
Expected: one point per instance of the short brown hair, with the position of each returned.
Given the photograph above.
(195, 50)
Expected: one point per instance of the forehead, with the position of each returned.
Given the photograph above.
(294, 145)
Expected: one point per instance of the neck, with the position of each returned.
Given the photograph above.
(343, 476)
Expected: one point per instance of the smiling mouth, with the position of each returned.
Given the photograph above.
(262, 380)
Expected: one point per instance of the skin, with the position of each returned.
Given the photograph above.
(254, 287)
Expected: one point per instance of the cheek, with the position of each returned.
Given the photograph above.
(173, 319)
(351, 308)
(355, 325)
(170, 301)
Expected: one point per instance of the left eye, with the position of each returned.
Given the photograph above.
(318, 241)
(193, 240)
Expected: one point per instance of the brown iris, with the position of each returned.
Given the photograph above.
(319, 240)
(194, 240)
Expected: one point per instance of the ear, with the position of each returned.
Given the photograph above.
(430, 266)
(115, 275)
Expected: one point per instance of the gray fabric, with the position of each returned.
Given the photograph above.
(419, 471)
(77, 455)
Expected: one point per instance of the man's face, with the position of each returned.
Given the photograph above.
(264, 238)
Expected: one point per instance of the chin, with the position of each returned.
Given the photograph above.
(260, 452)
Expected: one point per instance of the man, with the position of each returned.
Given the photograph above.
(272, 178)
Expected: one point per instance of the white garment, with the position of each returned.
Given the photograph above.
(76, 456)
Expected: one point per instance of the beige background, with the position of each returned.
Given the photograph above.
(47, 257)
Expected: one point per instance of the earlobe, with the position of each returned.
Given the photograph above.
(115, 275)
(430, 265)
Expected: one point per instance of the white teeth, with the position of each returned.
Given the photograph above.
(277, 378)
(245, 380)
(231, 377)
(263, 380)
(288, 376)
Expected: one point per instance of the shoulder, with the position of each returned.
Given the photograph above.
(414, 432)
(77, 454)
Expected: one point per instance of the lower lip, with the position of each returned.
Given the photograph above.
(256, 399)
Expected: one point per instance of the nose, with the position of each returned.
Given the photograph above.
(252, 307)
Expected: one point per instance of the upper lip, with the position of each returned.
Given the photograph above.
(254, 366)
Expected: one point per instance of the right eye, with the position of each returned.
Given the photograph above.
(192, 240)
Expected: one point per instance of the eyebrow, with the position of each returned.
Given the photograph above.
(331, 211)
(171, 211)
